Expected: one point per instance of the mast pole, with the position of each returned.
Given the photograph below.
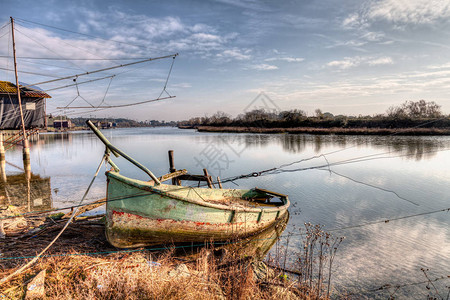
(26, 149)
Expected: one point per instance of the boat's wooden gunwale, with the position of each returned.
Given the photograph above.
(146, 186)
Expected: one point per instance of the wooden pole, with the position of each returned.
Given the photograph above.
(2, 148)
(171, 166)
(219, 182)
(45, 114)
(208, 178)
(26, 149)
(3, 169)
(2, 159)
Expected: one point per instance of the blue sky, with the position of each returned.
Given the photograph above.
(346, 57)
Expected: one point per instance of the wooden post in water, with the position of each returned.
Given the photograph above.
(208, 178)
(219, 182)
(26, 149)
(171, 165)
(172, 168)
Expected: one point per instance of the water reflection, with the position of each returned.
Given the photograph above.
(372, 256)
(259, 245)
(49, 138)
(256, 246)
(417, 148)
(414, 147)
(29, 191)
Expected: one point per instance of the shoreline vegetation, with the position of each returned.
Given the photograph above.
(83, 265)
(332, 130)
(410, 118)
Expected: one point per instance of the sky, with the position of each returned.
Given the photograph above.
(350, 57)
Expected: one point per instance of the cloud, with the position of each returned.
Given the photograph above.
(183, 85)
(140, 36)
(201, 27)
(206, 37)
(301, 22)
(346, 63)
(368, 93)
(373, 36)
(354, 20)
(398, 12)
(235, 54)
(264, 67)
(412, 11)
(36, 42)
(380, 61)
(441, 66)
(364, 37)
(169, 33)
(349, 62)
(246, 5)
(287, 59)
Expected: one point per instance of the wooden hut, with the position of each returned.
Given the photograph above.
(33, 106)
(62, 124)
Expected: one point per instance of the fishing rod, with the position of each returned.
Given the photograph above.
(101, 70)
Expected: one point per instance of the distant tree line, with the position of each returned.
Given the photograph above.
(415, 110)
(408, 114)
(123, 122)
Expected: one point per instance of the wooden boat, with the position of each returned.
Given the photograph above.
(142, 213)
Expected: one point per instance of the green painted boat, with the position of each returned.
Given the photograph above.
(143, 213)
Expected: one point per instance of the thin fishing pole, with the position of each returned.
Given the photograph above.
(104, 69)
(58, 58)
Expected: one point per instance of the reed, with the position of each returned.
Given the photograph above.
(312, 267)
(145, 276)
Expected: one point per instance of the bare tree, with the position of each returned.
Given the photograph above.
(318, 113)
(415, 110)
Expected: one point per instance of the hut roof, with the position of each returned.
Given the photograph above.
(9, 88)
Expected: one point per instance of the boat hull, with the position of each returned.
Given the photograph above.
(141, 214)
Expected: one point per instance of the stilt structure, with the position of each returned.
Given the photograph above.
(2, 159)
(26, 149)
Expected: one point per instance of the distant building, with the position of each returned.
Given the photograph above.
(106, 125)
(62, 124)
(33, 106)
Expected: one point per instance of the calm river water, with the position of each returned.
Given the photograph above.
(355, 192)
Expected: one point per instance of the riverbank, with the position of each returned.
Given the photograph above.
(83, 265)
(332, 130)
(142, 275)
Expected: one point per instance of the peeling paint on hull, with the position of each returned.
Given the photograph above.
(140, 214)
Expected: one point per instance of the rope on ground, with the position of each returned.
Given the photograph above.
(27, 265)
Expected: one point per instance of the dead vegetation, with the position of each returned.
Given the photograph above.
(82, 265)
(143, 275)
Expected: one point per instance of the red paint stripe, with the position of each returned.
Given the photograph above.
(128, 215)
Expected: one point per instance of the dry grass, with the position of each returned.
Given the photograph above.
(205, 273)
(145, 276)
